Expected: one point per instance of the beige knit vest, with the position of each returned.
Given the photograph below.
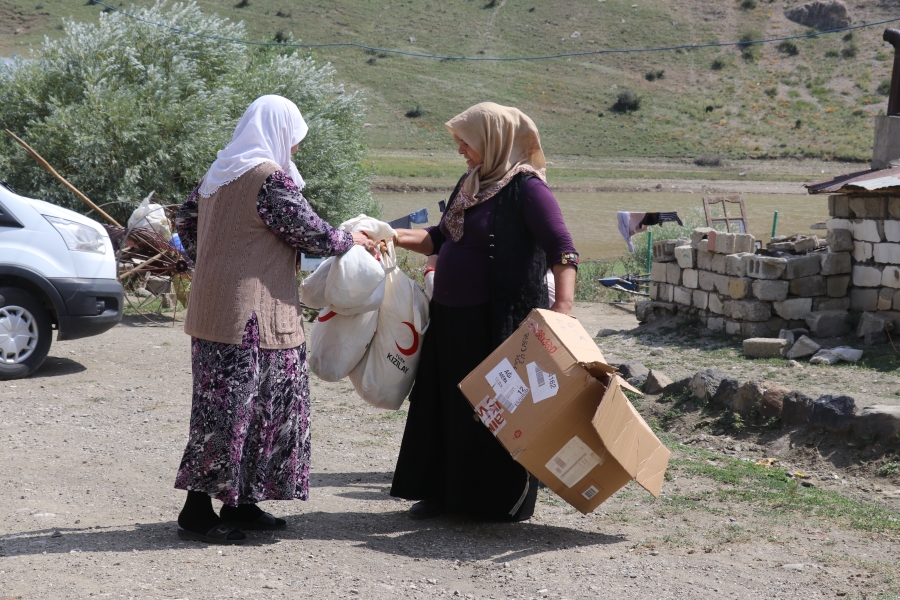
(242, 268)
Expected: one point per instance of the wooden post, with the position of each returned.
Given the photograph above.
(40, 160)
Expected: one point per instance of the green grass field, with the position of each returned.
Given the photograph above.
(815, 103)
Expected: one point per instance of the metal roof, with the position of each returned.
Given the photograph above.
(879, 181)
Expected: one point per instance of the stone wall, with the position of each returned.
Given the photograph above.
(868, 227)
(722, 280)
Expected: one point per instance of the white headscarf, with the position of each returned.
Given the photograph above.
(267, 131)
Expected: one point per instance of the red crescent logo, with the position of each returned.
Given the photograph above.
(326, 317)
(415, 345)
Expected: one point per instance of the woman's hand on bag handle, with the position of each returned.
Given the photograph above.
(361, 239)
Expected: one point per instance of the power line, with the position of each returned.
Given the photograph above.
(487, 58)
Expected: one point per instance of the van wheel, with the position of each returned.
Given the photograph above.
(25, 334)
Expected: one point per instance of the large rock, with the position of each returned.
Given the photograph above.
(870, 323)
(795, 408)
(765, 347)
(747, 397)
(802, 348)
(807, 287)
(736, 265)
(840, 240)
(705, 383)
(678, 386)
(824, 16)
(833, 356)
(656, 382)
(751, 310)
(770, 289)
(803, 266)
(835, 263)
(630, 370)
(877, 421)
(828, 323)
(832, 413)
(686, 256)
(727, 389)
(772, 402)
(793, 309)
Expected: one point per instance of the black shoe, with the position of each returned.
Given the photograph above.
(250, 517)
(265, 522)
(220, 534)
(426, 509)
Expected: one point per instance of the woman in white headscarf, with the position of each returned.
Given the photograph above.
(242, 226)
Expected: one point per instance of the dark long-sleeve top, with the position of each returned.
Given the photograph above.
(287, 213)
(463, 272)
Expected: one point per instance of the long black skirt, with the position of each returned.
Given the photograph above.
(447, 454)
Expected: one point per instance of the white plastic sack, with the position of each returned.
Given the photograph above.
(338, 342)
(385, 375)
(312, 289)
(152, 216)
(377, 230)
(429, 284)
(353, 279)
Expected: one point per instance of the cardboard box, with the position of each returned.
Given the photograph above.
(550, 398)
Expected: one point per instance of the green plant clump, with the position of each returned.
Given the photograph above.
(654, 75)
(627, 101)
(121, 108)
(884, 88)
(749, 51)
(849, 51)
(788, 47)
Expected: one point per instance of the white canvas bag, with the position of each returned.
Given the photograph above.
(385, 375)
(338, 342)
(353, 278)
(375, 229)
(312, 289)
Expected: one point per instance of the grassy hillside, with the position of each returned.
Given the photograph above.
(813, 100)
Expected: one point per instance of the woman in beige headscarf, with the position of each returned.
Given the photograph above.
(501, 231)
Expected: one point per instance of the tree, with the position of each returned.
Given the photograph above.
(122, 108)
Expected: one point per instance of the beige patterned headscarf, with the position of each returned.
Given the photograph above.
(508, 141)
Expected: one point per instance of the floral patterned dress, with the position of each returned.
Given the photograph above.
(249, 435)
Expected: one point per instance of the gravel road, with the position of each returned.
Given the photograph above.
(91, 444)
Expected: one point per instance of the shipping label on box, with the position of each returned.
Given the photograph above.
(549, 397)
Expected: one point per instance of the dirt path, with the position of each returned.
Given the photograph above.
(92, 442)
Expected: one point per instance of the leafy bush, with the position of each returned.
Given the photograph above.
(788, 47)
(832, 53)
(708, 161)
(749, 51)
(771, 92)
(884, 88)
(121, 108)
(627, 101)
(654, 75)
(748, 4)
(849, 51)
(719, 63)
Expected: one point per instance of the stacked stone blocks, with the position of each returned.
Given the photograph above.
(868, 227)
(718, 277)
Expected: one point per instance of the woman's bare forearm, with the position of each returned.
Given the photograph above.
(564, 278)
(416, 240)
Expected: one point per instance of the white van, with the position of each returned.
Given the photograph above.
(57, 271)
